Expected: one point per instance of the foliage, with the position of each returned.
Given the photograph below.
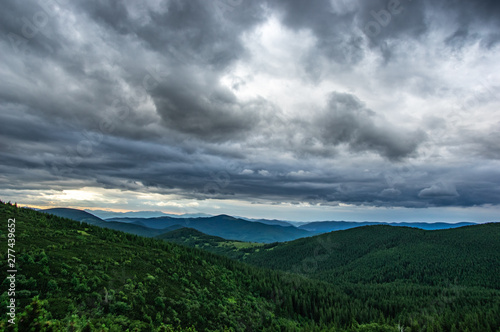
(74, 276)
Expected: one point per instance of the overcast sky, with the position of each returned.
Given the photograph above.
(302, 110)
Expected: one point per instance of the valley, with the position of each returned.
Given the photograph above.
(370, 278)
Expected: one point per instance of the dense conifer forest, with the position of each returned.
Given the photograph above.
(74, 276)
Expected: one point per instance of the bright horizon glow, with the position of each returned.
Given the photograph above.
(291, 212)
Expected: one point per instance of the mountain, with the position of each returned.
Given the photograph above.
(136, 229)
(75, 214)
(329, 226)
(144, 214)
(226, 227)
(192, 238)
(132, 228)
(153, 223)
(161, 219)
(77, 276)
(83, 277)
(269, 221)
(190, 215)
(468, 256)
(184, 234)
(139, 214)
(373, 254)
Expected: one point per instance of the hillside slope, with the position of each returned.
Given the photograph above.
(195, 239)
(75, 214)
(329, 226)
(468, 256)
(77, 276)
(87, 276)
(226, 227)
(128, 227)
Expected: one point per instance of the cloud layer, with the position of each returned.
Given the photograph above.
(381, 104)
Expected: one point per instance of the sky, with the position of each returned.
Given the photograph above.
(298, 110)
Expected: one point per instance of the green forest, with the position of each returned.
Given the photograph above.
(73, 276)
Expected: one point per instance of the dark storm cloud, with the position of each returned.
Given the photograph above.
(483, 144)
(128, 96)
(331, 25)
(198, 106)
(30, 29)
(346, 120)
(399, 19)
(189, 31)
(341, 25)
(439, 190)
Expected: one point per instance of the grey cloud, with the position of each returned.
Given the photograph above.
(205, 110)
(459, 38)
(30, 29)
(399, 20)
(390, 192)
(119, 163)
(189, 32)
(347, 121)
(439, 190)
(179, 134)
(482, 144)
(490, 41)
(384, 19)
(475, 12)
(112, 13)
(331, 24)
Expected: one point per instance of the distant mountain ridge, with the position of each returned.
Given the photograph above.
(144, 214)
(329, 226)
(270, 221)
(83, 216)
(75, 214)
(225, 226)
(229, 227)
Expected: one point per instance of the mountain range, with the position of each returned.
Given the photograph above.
(329, 226)
(103, 214)
(228, 227)
(370, 278)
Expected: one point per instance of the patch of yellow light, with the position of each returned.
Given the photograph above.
(75, 195)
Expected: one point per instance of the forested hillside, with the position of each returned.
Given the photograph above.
(76, 276)
(393, 265)
(195, 239)
(328, 226)
(75, 214)
(226, 227)
(89, 218)
(466, 256)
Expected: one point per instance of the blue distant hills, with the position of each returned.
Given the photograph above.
(155, 223)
